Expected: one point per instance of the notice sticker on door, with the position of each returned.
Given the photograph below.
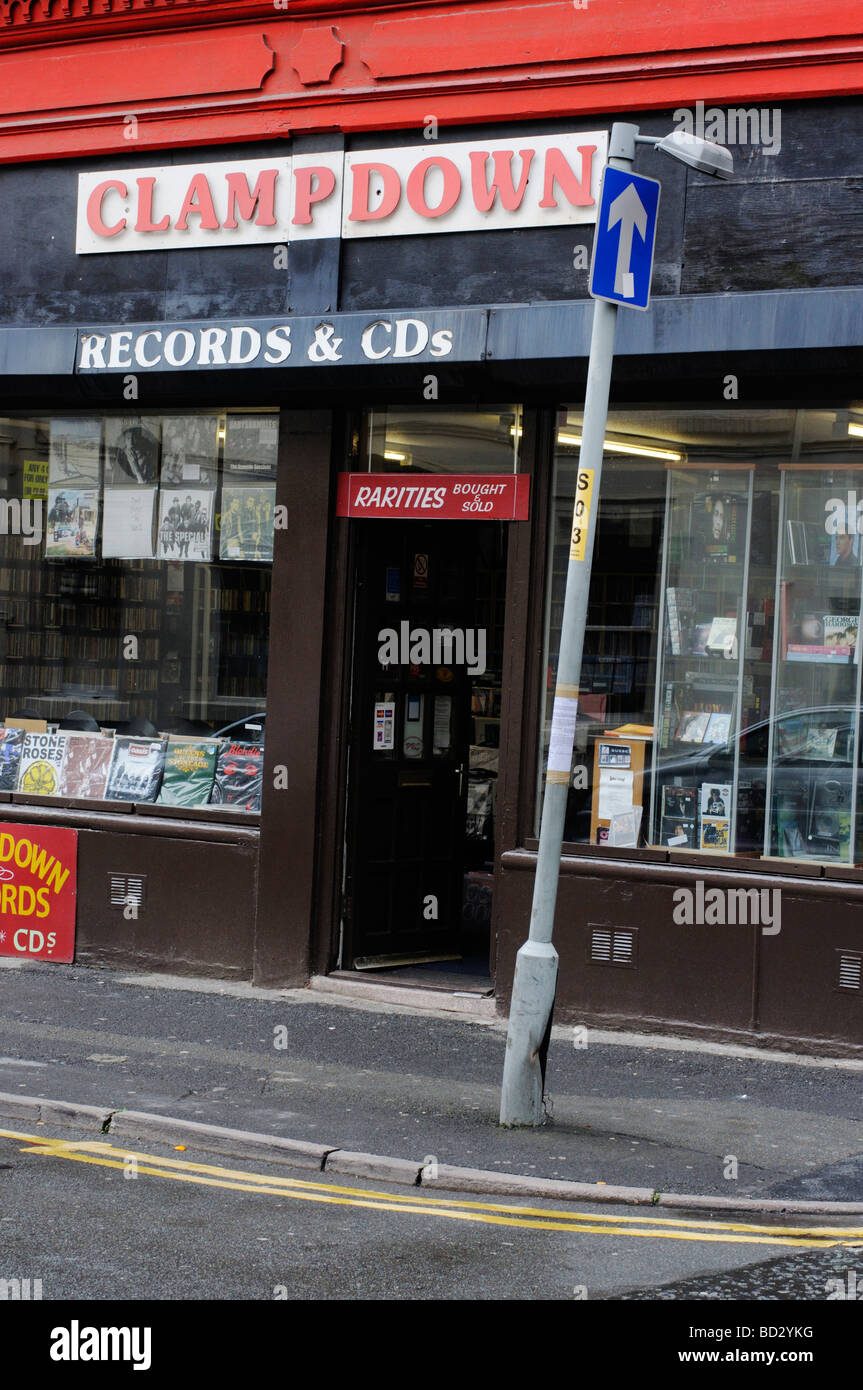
(385, 725)
(442, 725)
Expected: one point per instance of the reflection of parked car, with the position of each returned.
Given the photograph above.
(249, 729)
(812, 786)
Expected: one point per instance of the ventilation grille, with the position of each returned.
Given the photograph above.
(126, 888)
(850, 970)
(613, 946)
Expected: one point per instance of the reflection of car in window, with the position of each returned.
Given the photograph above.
(812, 754)
(250, 728)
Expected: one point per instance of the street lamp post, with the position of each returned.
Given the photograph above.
(535, 978)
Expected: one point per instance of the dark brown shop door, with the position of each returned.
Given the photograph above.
(410, 730)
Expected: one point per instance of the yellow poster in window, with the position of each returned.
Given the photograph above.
(581, 514)
(36, 479)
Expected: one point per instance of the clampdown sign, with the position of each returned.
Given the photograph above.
(622, 262)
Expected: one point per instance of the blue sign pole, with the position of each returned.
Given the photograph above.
(620, 274)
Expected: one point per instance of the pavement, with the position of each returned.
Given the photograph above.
(339, 1082)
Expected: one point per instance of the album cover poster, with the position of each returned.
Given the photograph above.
(73, 515)
(127, 523)
(840, 630)
(11, 743)
(718, 527)
(692, 726)
(190, 766)
(239, 777)
(75, 451)
(131, 451)
(715, 815)
(85, 767)
(251, 445)
(185, 524)
(845, 550)
(136, 768)
(716, 800)
(190, 450)
(246, 529)
(678, 834)
(718, 729)
(41, 760)
(714, 833)
(679, 803)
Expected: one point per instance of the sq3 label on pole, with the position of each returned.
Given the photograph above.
(622, 263)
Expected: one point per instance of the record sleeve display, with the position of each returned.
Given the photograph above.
(186, 524)
(74, 452)
(136, 768)
(190, 766)
(73, 514)
(239, 776)
(190, 450)
(85, 767)
(246, 531)
(131, 450)
(11, 743)
(41, 760)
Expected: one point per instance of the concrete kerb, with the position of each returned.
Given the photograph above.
(298, 1153)
(58, 1112)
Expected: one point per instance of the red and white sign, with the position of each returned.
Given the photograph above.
(38, 890)
(471, 185)
(455, 497)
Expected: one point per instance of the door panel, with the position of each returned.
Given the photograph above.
(406, 820)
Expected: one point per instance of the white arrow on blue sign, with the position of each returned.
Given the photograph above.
(622, 261)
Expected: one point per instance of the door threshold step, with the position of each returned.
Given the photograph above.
(449, 998)
(479, 986)
(393, 961)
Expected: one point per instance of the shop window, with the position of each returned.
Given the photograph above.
(135, 567)
(437, 439)
(720, 689)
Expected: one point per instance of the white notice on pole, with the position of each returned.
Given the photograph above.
(563, 717)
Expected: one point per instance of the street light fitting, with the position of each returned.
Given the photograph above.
(704, 155)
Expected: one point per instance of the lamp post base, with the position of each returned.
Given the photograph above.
(530, 1012)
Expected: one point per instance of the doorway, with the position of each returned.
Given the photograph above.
(429, 609)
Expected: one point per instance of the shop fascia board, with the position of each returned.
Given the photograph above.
(754, 321)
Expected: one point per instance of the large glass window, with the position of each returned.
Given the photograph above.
(720, 689)
(135, 566)
(439, 439)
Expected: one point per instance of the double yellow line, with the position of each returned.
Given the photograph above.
(106, 1155)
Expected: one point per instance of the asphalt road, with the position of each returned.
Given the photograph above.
(195, 1226)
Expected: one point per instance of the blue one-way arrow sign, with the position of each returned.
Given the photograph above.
(622, 262)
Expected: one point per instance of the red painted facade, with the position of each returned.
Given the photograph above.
(193, 72)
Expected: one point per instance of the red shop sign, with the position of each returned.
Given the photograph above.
(38, 888)
(429, 497)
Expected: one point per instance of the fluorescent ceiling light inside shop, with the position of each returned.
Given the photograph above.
(613, 446)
